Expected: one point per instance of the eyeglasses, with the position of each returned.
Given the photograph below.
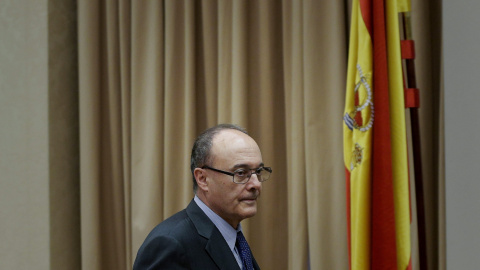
(241, 176)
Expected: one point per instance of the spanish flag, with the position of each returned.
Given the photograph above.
(375, 144)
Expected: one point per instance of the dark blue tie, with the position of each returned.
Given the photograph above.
(244, 251)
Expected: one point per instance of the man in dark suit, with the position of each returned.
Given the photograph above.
(228, 172)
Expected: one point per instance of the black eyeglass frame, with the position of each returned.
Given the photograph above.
(252, 171)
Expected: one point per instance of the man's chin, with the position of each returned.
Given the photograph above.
(249, 209)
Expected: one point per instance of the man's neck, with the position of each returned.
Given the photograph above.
(205, 202)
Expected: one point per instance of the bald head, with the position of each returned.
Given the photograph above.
(233, 154)
(201, 150)
(233, 145)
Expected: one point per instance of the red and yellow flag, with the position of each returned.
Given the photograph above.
(375, 144)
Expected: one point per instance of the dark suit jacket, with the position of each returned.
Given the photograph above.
(186, 240)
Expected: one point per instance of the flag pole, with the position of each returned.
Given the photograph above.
(416, 146)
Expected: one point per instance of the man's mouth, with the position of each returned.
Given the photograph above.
(249, 199)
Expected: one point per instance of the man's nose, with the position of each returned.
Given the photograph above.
(254, 182)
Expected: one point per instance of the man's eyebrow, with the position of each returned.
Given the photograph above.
(246, 166)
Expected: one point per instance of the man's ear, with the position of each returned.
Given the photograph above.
(201, 178)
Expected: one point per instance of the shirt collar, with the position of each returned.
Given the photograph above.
(227, 231)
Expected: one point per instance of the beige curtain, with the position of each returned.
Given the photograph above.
(154, 74)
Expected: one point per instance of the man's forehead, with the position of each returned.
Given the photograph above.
(233, 141)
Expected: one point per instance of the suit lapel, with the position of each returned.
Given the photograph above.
(216, 245)
(220, 252)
